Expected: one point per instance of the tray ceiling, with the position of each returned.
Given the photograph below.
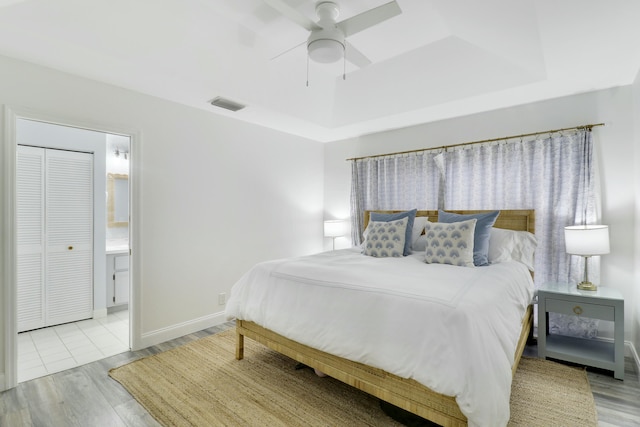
(436, 60)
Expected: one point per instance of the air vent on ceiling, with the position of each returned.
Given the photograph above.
(227, 104)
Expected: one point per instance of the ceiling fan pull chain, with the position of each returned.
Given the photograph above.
(344, 64)
(307, 70)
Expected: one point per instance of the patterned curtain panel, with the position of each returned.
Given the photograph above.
(403, 181)
(553, 175)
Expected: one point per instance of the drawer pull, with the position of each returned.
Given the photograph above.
(577, 310)
(70, 248)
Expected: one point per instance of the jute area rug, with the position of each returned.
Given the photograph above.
(201, 384)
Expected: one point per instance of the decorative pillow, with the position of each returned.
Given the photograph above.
(511, 245)
(450, 243)
(481, 236)
(386, 238)
(410, 215)
(418, 227)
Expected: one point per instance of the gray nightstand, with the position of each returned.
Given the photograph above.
(604, 304)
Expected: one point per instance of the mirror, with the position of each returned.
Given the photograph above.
(117, 200)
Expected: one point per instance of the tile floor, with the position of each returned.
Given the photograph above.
(57, 348)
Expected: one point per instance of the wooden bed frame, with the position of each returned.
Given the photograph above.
(404, 393)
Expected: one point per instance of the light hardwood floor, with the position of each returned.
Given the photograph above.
(86, 396)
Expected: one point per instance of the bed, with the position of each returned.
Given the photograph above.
(254, 305)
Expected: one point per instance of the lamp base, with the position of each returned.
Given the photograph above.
(587, 286)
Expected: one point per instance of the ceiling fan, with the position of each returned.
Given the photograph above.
(327, 38)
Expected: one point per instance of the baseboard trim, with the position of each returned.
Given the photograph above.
(99, 313)
(631, 351)
(181, 329)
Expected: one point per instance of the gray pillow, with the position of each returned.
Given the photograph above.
(410, 215)
(482, 233)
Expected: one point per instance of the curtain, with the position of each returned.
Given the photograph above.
(552, 175)
(402, 181)
(555, 175)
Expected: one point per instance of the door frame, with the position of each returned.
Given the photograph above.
(8, 251)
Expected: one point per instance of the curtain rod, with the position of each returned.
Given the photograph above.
(587, 127)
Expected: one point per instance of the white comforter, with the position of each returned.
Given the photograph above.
(453, 329)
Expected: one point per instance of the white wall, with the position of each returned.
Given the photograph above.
(614, 145)
(214, 195)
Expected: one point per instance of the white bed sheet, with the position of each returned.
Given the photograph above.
(453, 329)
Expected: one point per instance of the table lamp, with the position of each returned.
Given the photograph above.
(586, 241)
(335, 228)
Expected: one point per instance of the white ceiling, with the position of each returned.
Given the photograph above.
(438, 59)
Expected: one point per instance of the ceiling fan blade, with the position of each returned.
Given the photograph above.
(367, 19)
(288, 50)
(356, 57)
(293, 15)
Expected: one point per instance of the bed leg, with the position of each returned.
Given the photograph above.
(239, 346)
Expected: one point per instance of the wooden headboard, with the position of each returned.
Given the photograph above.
(517, 219)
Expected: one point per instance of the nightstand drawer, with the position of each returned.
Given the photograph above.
(594, 311)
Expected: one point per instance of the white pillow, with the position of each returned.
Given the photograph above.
(512, 245)
(386, 239)
(450, 243)
(418, 227)
(420, 245)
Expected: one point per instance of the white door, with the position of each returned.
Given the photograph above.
(64, 289)
(69, 236)
(30, 232)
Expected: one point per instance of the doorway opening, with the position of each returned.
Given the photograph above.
(105, 331)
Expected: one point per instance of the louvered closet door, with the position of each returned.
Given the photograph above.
(69, 236)
(30, 234)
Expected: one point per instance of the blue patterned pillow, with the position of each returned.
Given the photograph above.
(386, 238)
(410, 215)
(481, 235)
(450, 243)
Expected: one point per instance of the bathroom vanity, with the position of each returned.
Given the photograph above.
(117, 275)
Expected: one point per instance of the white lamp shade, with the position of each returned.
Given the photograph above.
(325, 51)
(587, 240)
(326, 45)
(335, 228)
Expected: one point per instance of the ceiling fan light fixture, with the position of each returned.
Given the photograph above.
(325, 50)
(327, 37)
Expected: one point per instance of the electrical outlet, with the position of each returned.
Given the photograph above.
(222, 298)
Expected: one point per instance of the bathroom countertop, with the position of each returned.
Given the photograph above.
(117, 246)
